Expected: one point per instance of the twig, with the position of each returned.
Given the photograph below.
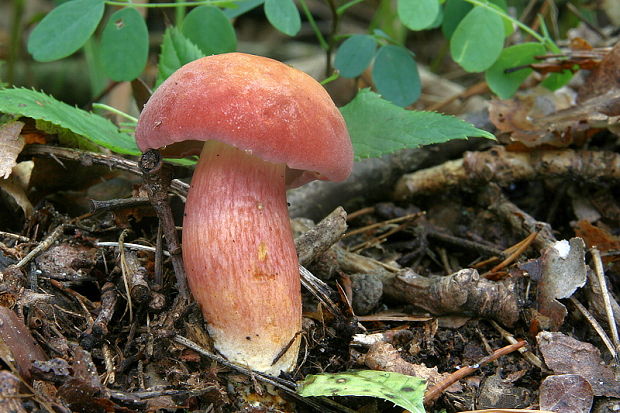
(285, 385)
(113, 204)
(434, 392)
(157, 180)
(527, 354)
(600, 275)
(321, 237)
(89, 158)
(108, 304)
(503, 167)
(43, 245)
(596, 326)
(129, 245)
(14, 236)
(125, 271)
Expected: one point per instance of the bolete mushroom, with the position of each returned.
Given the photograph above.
(260, 127)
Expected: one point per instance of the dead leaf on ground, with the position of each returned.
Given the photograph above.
(563, 272)
(598, 237)
(566, 393)
(565, 355)
(603, 77)
(11, 144)
(383, 356)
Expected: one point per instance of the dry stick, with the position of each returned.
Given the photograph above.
(89, 158)
(527, 354)
(600, 275)
(43, 245)
(139, 289)
(108, 305)
(114, 204)
(523, 222)
(596, 326)
(434, 392)
(157, 179)
(285, 385)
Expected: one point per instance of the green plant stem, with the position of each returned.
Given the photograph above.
(179, 14)
(103, 106)
(179, 4)
(15, 40)
(340, 10)
(313, 24)
(523, 26)
(333, 77)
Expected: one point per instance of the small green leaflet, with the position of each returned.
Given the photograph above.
(124, 45)
(283, 15)
(418, 14)
(39, 106)
(209, 29)
(355, 54)
(505, 84)
(478, 40)
(404, 391)
(396, 76)
(378, 127)
(65, 29)
(176, 51)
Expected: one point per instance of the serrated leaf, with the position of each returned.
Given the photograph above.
(453, 13)
(124, 45)
(283, 15)
(477, 40)
(65, 29)
(39, 106)
(505, 84)
(395, 74)
(355, 54)
(176, 51)
(418, 14)
(404, 391)
(378, 127)
(209, 29)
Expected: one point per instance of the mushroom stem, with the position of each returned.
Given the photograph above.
(240, 257)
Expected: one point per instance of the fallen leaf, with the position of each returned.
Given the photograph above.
(563, 272)
(603, 77)
(566, 393)
(600, 238)
(565, 355)
(11, 144)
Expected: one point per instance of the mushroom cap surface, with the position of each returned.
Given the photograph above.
(256, 104)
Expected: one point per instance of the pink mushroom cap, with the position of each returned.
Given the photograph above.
(256, 104)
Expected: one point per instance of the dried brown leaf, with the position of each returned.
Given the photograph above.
(565, 355)
(11, 144)
(566, 393)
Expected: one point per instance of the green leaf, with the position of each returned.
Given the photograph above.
(556, 80)
(176, 51)
(418, 14)
(478, 40)
(209, 29)
(283, 15)
(65, 29)
(355, 54)
(395, 75)
(124, 45)
(241, 7)
(505, 84)
(502, 6)
(404, 391)
(453, 13)
(41, 107)
(378, 127)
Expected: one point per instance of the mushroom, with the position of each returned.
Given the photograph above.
(260, 127)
